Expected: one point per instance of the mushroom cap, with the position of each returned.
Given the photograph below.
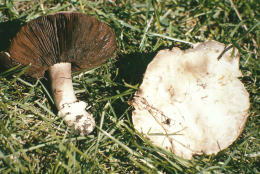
(71, 37)
(190, 102)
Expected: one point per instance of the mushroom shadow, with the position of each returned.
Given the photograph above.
(131, 68)
(7, 31)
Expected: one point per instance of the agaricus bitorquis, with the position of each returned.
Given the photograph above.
(61, 43)
(191, 102)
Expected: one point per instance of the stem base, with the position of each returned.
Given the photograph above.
(75, 114)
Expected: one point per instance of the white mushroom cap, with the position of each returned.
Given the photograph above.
(190, 102)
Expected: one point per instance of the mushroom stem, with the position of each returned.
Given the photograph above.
(61, 84)
(72, 110)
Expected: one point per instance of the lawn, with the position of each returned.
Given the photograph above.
(34, 140)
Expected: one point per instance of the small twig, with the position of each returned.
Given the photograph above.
(224, 51)
(244, 25)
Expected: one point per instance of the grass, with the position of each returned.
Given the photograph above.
(34, 140)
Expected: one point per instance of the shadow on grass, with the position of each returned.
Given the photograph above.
(7, 31)
(132, 67)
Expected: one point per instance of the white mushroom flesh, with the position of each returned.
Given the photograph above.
(72, 110)
(190, 102)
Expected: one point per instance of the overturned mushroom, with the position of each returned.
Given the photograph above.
(191, 102)
(62, 43)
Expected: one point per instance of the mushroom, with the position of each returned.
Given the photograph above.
(61, 43)
(192, 102)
